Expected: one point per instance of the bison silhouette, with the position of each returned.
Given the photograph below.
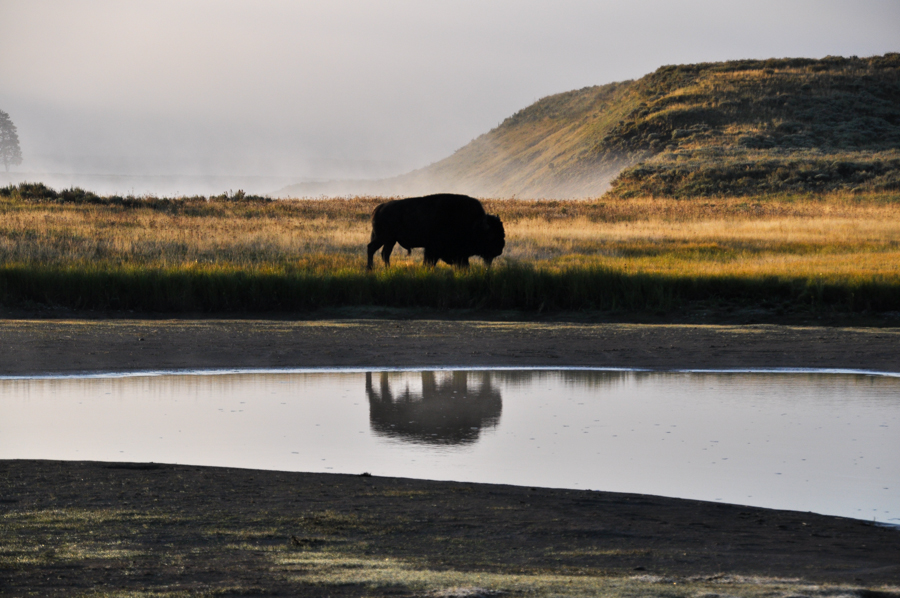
(451, 228)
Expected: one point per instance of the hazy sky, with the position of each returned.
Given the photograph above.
(355, 88)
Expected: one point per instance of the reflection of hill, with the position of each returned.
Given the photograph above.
(446, 410)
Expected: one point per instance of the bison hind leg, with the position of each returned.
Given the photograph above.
(386, 252)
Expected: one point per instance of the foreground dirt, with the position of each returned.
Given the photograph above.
(67, 346)
(79, 527)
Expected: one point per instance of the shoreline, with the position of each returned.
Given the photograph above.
(69, 346)
(427, 368)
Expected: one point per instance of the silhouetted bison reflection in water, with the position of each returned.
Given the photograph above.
(450, 408)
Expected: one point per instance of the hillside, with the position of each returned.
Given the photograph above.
(730, 128)
(773, 126)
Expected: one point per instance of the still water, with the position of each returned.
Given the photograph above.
(821, 442)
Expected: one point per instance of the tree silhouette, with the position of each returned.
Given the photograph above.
(10, 152)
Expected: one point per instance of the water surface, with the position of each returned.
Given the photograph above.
(826, 443)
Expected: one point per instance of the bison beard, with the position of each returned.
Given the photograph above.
(451, 228)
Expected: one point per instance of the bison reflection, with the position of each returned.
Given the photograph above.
(448, 407)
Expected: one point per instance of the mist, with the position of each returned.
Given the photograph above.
(205, 96)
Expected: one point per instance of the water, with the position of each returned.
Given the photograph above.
(826, 443)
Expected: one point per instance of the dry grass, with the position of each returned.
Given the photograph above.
(36, 233)
(829, 248)
(846, 240)
(642, 234)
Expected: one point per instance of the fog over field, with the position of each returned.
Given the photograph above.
(205, 96)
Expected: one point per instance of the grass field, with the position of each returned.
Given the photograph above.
(828, 252)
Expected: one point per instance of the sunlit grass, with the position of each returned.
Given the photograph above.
(35, 537)
(840, 249)
(339, 568)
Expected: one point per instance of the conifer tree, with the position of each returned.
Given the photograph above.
(10, 152)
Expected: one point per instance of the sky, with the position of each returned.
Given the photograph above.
(298, 90)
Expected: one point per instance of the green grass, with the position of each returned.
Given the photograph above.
(506, 287)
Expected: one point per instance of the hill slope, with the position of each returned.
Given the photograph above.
(729, 128)
(772, 126)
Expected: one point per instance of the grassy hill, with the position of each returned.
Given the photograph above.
(744, 127)
(759, 127)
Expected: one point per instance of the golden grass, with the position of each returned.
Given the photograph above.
(838, 239)
(833, 241)
(72, 234)
(644, 234)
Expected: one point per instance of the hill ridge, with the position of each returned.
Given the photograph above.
(740, 127)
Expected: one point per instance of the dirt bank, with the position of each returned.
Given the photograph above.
(66, 346)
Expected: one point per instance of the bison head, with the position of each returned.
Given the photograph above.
(490, 238)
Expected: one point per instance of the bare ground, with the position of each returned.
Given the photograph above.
(34, 346)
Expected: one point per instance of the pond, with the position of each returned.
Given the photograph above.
(821, 442)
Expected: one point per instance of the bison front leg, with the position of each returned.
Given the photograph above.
(371, 248)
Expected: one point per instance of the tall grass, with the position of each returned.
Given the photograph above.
(839, 251)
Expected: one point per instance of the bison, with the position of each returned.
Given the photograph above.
(451, 228)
